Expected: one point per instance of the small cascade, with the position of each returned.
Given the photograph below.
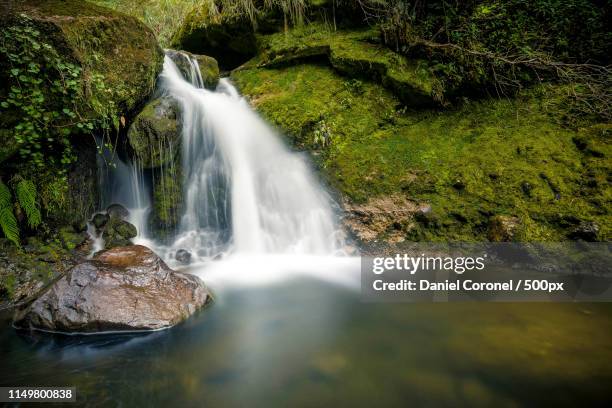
(243, 190)
(123, 182)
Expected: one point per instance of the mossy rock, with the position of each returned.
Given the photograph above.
(155, 134)
(355, 54)
(209, 68)
(108, 46)
(228, 39)
(167, 199)
(469, 163)
(118, 232)
(70, 239)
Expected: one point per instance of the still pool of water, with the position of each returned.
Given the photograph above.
(305, 342)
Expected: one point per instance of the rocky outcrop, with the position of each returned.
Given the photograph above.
(387, 219)
(355, 54)
(25, 271)
(80, 67)
(209, 68)
(224, 37)
(109, 47)
(126, 288)
(155, 138)
(155, 134)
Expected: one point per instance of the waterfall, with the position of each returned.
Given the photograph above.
(123, 182)
(244, 190)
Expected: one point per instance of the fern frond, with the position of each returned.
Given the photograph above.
(26, 196)
(6, 198)
(8, 222)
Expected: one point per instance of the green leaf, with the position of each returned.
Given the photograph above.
(8, 222)
(26, 196)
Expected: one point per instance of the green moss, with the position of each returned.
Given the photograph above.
(70, 239)
(209, 69)
(355, 53)
(118, 56)
(155, 136)
(228, 38)
(470, 163)
(167, 199)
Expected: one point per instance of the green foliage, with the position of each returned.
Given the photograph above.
(489, 148)
(45, 93)
(25, 191)
(8, 222)
(54, 192)
(503, 45)
(162, 16)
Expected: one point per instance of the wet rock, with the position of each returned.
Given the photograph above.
(117, 211)
(125, 288)
(118, 233)
(167, 199)
(155, 134)
(100, 220)
(585, 231)
(503, 228)
(209, 68)
(183, 256)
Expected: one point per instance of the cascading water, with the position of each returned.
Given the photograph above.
(244, 191)
(121, 182)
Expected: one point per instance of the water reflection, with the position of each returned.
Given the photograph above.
(305, 342)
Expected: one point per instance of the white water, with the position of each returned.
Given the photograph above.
(244, 191)
(247, 198)
(121, 182)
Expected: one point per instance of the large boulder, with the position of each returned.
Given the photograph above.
(112, 58)
(155, 134)
(126, 288)
(208, 66)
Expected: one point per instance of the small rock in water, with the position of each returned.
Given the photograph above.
(125, 288)
(118, 233)
(183, 256)
(117, 211)
(99, 220)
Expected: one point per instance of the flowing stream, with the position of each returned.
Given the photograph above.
(244, 191)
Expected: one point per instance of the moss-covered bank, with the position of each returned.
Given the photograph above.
(470, 164)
